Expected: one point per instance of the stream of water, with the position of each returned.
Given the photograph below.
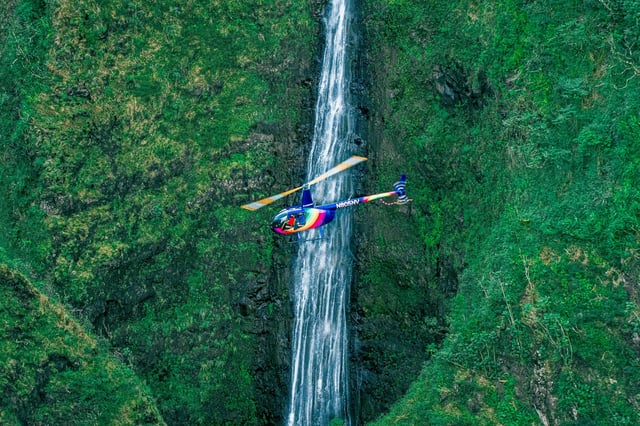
(319, 375)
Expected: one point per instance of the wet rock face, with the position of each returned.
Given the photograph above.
(541, 386)
(398, 299)
(268, 303)
(266, 300)
(454, 85)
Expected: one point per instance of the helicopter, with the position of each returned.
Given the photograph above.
(305, 216)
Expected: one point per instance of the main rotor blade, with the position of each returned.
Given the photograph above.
(340, 167)
(337, 169)
(265, 201)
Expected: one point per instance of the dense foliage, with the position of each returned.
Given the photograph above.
(130, 133)
(517, 122)
(54, 373)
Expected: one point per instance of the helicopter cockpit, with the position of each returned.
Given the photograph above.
(288, 220)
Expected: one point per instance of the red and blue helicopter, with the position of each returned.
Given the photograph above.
(307, 215)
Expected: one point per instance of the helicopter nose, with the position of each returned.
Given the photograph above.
(278, 221)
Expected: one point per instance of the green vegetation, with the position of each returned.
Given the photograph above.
(135, 291)
(517, 124)
(130, 133)
(53, 372)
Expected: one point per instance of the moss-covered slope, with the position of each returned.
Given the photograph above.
(131, 133)
(53, 372)
(517, 124)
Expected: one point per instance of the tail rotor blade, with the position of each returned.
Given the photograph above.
(337, 169)
(266, 201)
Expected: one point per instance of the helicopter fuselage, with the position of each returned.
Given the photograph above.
(297, 219)
(307, 216)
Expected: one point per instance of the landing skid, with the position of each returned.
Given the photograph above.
(299, 239)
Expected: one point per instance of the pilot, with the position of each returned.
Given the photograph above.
(290, 222)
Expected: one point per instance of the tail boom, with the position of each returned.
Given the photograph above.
(399, 189)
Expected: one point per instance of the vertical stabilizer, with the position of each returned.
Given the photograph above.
(307, 200)
(401, 190)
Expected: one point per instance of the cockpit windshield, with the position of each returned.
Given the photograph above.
(288, 220)
(279, 221)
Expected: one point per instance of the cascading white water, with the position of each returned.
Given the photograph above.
(319, 376)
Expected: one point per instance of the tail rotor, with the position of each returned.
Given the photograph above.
(401, 190)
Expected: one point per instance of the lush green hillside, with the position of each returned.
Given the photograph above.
(518, 125)
(506, 293)
(53, 372)
(131, 133)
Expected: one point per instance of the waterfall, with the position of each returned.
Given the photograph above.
(319, 370)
